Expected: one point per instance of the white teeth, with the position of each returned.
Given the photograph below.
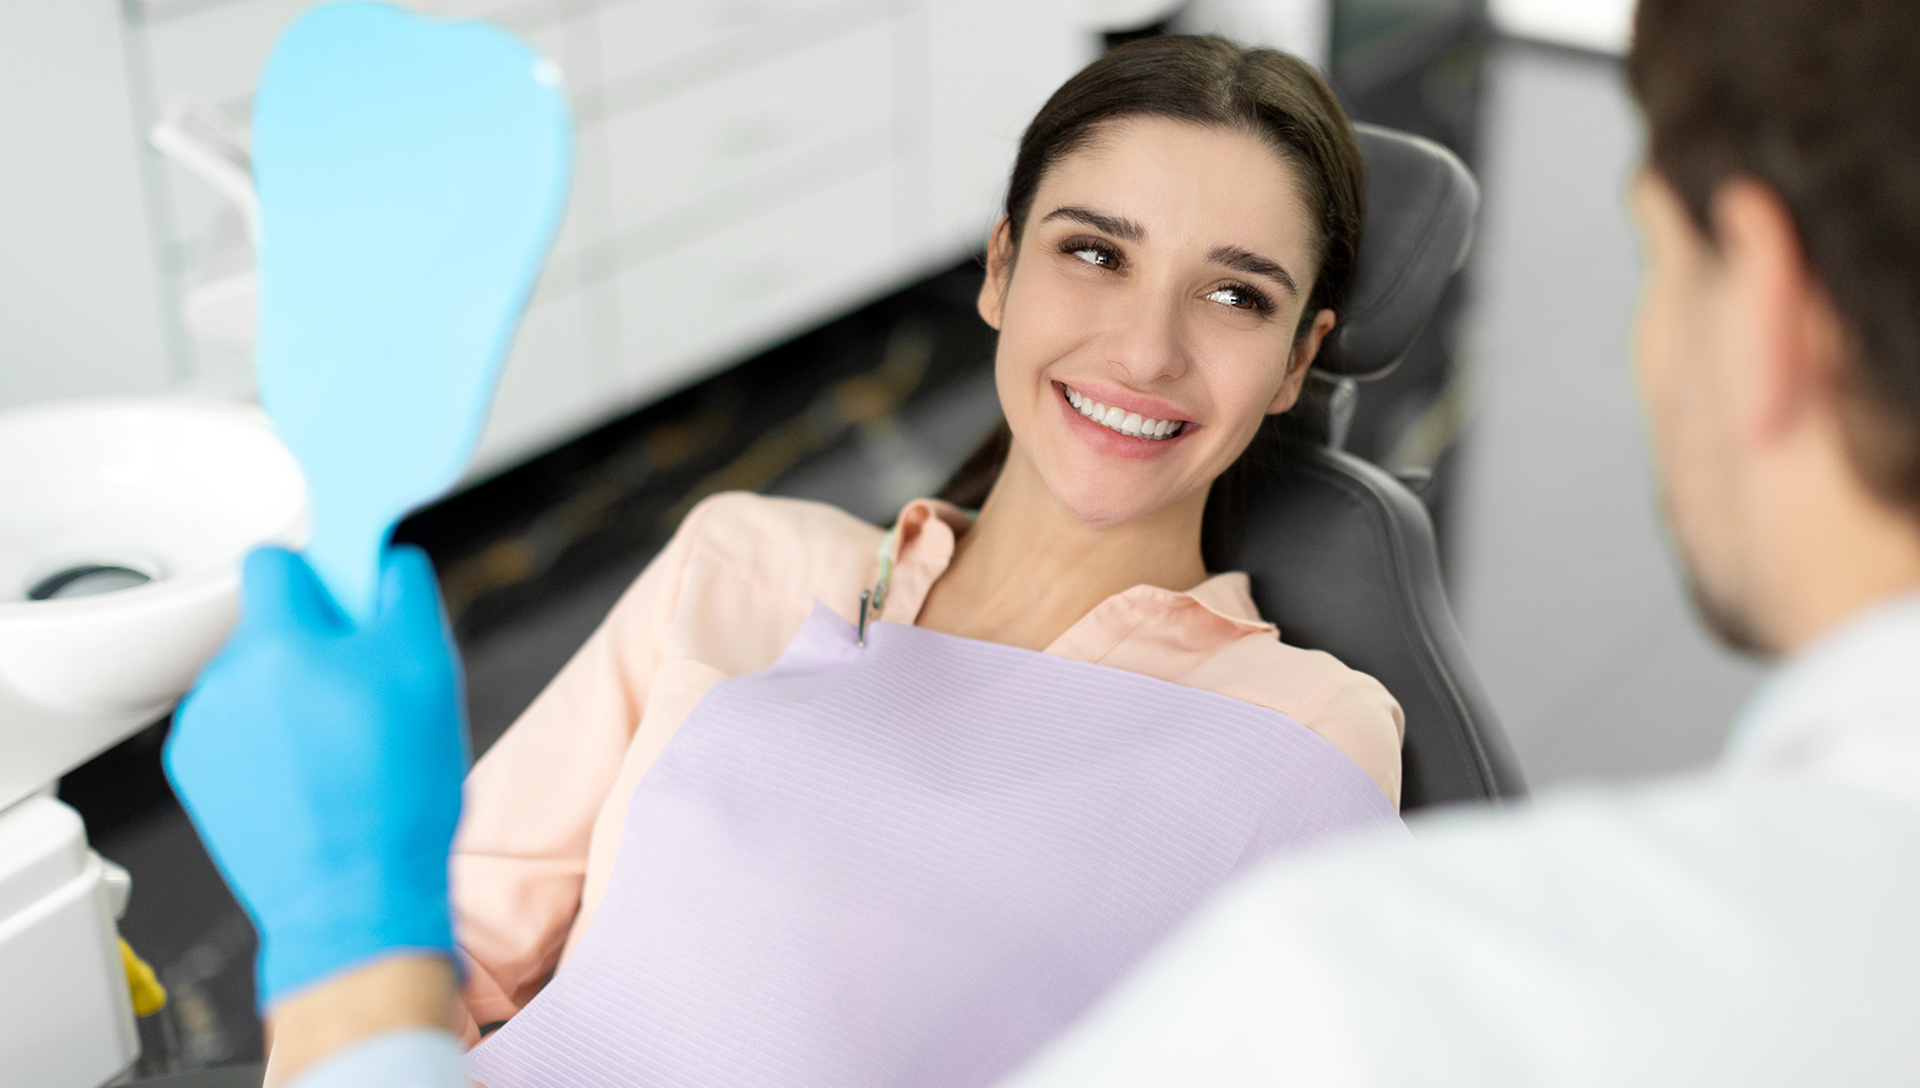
(1119, 419)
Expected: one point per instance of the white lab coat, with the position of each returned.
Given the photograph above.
(1757, 925)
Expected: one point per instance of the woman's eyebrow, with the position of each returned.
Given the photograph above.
(1115, 225)
(1240, 260)
(1253, 264)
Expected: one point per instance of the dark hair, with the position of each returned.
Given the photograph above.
(1212, 82)
(1820, 101)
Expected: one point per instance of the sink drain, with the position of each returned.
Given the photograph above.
(91, 577)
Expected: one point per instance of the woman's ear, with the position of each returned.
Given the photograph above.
(1306, 348)
(993, 290)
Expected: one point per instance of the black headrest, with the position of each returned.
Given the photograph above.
(1421, 202)
(1342, 557)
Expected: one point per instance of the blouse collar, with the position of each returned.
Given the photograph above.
(920, 548)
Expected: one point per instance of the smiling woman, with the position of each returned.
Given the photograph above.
(1184, 217)
(1156, 280)
(822, 804)
(1250, 145)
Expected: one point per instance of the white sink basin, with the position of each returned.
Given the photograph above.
(129, 518)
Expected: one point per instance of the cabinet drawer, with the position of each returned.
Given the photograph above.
(639, 38)
(557, 380)
(768, 276)
(725, 141)
(217, 53)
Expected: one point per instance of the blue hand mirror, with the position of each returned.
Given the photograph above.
(410, 174)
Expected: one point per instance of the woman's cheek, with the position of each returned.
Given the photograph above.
(1245, 401)
(1054, 310)
(1024, 332)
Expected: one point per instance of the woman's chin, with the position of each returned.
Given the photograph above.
(1099, 504)
(1100, 491)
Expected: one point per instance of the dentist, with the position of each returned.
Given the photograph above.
(1751, 925)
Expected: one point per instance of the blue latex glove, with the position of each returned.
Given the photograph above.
(322, 764)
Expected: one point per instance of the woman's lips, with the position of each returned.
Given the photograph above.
(1119, 420)
(1112, 441)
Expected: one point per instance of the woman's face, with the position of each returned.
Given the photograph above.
(1147, 323)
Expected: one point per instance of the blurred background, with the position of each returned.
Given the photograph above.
(766, 280)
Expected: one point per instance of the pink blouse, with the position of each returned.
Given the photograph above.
(546, 806)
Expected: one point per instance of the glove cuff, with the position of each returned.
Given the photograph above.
(346, 923)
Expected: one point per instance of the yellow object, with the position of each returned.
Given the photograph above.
(149, 996)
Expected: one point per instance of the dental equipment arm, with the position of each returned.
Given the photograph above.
(321, 761)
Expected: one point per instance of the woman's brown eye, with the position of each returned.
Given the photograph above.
(1239, 298)
(1096, 256)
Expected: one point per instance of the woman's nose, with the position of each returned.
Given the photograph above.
(1146, 343)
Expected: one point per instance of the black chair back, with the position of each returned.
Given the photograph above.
(1341, 554)
(1342, 557)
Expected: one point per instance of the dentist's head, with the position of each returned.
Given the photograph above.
(1778, 345)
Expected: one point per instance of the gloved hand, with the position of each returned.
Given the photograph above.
(322, 764)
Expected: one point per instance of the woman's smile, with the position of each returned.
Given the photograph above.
(1117, 417)
(1119, 424)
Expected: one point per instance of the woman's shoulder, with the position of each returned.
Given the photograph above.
(1263, 668)
(1263, 661)
(780, 540)
(743, 520)
(740, 576)
(1347, 707)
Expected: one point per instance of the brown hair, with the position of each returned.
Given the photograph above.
(1820, 101)
(1212, 82)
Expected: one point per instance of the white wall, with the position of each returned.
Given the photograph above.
(81, 306)
(1600, 25)
(1301, 27)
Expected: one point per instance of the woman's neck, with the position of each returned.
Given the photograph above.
(1028, 569)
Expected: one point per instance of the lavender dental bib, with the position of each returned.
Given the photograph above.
(910, 863)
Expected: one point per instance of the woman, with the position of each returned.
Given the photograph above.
(1179, 235)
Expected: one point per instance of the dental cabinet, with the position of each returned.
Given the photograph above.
(746, 169)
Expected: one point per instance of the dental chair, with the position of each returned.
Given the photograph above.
(1342, 553)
